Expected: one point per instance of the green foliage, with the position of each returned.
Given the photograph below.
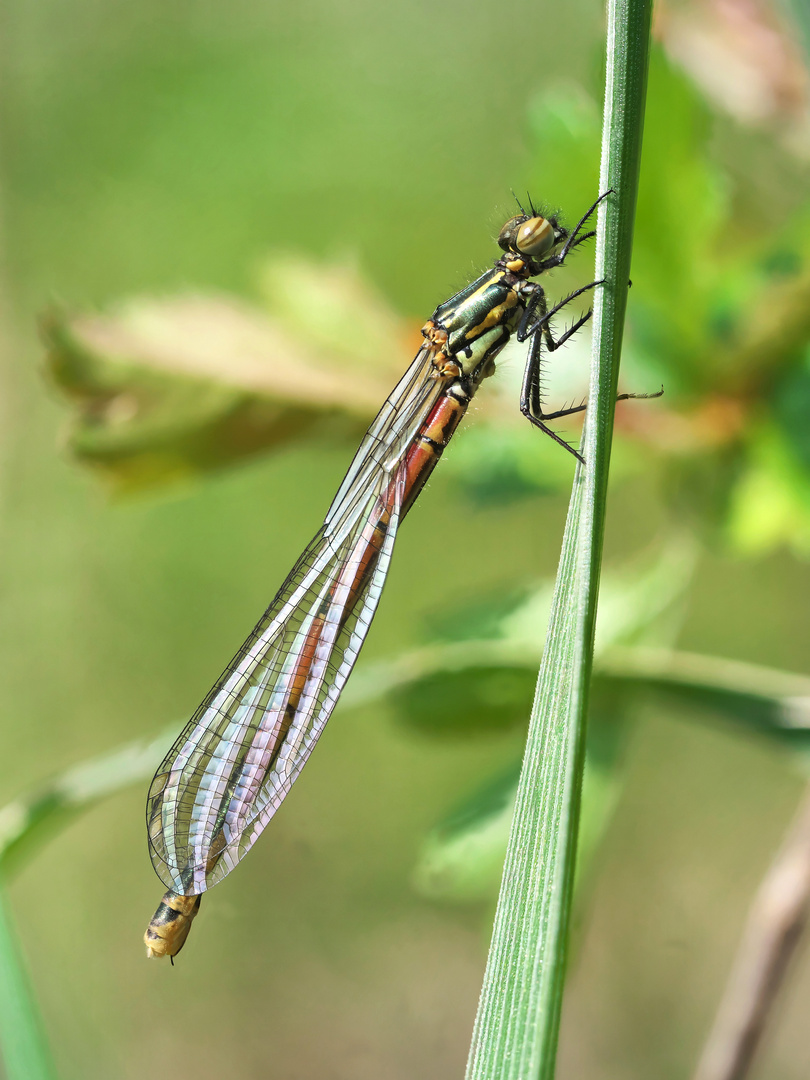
(23, 1044)
(486, 700)
(719, 313)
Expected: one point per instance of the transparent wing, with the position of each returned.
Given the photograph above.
(240, 753)
(390, 434)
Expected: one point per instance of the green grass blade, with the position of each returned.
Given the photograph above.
(23, 1045)
(24, 824)
(517, 1025)
(801, 13)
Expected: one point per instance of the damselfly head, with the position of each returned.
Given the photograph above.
(531, 236)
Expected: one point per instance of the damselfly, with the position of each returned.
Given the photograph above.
(238, 756)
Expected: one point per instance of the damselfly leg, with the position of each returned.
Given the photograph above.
(535, 326)
(574, 239)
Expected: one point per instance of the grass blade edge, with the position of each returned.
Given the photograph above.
(517, 1024)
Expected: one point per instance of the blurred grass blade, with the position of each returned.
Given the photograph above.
(517, 1024)
(762, 701)
(24, 825)
(23, 1046)
(768, 702)
(29, 820)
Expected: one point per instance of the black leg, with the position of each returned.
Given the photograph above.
(539, 414)
(537, 301)
(535, 326)
(574, 240)
(639, 397)
(530, 404)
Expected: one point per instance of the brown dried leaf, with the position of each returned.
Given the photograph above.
(170, 387)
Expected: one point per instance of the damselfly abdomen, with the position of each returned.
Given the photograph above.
(238, 756)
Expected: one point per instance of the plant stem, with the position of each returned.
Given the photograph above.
(773, 933)
(517, 1025)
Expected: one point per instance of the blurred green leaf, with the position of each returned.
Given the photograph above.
(801, 13)
(765, 701)
(792, 409)
(449, 694)
(717, 302)
(334, 310)
(761, 701)
(770, 501)
(682, 205)
(611, 723)
(494, 465)
(484, 700)
(461, 858)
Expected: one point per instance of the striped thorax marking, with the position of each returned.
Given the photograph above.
(476, 323)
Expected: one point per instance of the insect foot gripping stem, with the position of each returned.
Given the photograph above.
(167, 932)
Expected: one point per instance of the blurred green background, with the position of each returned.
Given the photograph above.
(151, 149)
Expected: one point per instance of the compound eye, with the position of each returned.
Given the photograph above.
(507, 235)
(535, 237)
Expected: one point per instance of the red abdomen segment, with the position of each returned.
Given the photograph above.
(431, 439)
(411, 476)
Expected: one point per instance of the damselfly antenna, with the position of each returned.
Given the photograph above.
(517, 200)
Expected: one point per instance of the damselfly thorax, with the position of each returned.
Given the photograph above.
(240, 753)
